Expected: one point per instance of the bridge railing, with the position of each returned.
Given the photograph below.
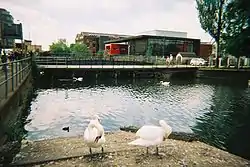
(95, 60)
(12, 74)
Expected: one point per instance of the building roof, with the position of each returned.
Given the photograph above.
(187, 54)
(144, 37)
(206, 43)
(101, 34)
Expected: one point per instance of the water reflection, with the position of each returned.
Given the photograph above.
(216, 111)
(125, 103)
(226, 124)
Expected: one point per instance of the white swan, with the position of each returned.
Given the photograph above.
(78, 79)
(94, 134)
(165, 83)
(150, 135)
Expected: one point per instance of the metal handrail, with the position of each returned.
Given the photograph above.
(17, 73)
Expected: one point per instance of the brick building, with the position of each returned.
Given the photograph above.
(206, 50)
(95, 41)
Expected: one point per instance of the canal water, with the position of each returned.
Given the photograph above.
(219, 112)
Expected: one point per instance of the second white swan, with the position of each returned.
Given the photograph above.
(151, 135)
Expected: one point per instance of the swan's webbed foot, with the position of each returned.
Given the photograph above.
(102, 150)
(90, 151)
(157, 150)
(147, 150)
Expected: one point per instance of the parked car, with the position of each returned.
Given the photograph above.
(198, 62)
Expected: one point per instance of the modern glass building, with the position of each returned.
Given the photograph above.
(151, 45)
(6, 19)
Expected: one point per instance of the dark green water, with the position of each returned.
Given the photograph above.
(217, 111)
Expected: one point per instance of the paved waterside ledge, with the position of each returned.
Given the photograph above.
(72, 152)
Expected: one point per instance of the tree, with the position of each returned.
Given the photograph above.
(211, 16)
(237, 28)
(80, 50)
(237, 31)
(60, 47)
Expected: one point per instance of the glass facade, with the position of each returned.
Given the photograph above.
(6, 19)
(165, 46)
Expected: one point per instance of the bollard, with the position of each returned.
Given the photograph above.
(96, 75)
(134, 75)
(115, 74)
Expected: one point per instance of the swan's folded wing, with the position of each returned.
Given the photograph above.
(86, 134)
(150, 132)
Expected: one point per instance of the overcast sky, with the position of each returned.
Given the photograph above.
(44, 21)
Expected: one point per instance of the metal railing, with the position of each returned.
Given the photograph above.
(12, 74)
(106, 62)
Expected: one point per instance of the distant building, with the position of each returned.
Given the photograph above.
(95, 41)
(27, 46)
(151, 45)
(5, 19)
(64, 40)
(36, 48)
(165, 33)
(206, 50)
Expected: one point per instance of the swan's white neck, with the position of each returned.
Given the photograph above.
(98, 126)
(164, 125)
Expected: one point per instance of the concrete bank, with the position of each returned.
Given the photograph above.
(224, 73)
(72, 152)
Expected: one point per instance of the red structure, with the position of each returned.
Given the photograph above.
(116, 49)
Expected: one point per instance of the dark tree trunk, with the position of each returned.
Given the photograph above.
(222, 2)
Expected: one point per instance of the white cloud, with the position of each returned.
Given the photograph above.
(48, 20)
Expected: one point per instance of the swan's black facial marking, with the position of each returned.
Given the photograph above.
(97, 138)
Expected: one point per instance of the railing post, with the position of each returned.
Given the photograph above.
(19, 72)
(12, 75)
(67, 61)
(16, 73)
(102, 62)
(6, 79)
(47, 61)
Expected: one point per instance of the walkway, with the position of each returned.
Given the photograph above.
(72, 152)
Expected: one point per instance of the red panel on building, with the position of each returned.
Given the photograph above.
(116, 49)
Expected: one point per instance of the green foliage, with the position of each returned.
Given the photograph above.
(79, 50)
(237, 34)
(59, 47)
(211, 16)
(100, 53)
(227, 22)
